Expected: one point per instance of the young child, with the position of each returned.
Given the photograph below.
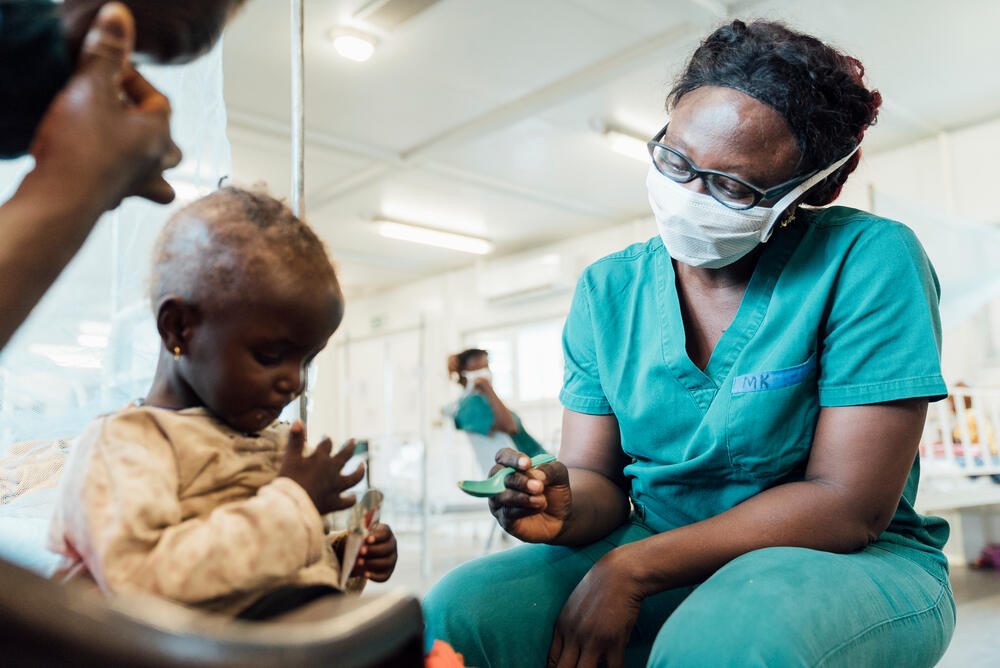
(196, 493)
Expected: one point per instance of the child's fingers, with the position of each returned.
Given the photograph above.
(379, 533)
(324, 448)
(345, 453)
(296, 439)
(353, 478)
(378, 565)
(338, 502)
(378, 550)
(378, 570)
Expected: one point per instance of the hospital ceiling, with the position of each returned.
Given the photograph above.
(480, 116)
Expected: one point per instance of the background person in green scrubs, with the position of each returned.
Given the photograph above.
(744, 395)
(481, 413)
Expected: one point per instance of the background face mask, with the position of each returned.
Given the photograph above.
(700, 231)
(471, 376)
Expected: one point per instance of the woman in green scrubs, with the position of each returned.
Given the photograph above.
(744, 395)
(481, 413)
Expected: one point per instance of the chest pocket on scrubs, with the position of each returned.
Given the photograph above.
(772, 418)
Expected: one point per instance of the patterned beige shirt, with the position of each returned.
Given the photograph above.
(176, 504)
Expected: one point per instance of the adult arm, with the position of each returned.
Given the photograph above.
(106, 136)
(503, 419)
(858, 465)
(857, 469)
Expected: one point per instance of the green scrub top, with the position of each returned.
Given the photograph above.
(475, 415)
(841, 310)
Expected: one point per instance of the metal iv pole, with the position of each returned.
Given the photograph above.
(298, 150)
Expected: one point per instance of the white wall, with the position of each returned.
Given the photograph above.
(447, 308)
(951, 173)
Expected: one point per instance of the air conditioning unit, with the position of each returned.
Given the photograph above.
(503, 282)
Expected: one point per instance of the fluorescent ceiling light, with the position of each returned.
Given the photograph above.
(429, 237)
(627, 144)
(352, 44)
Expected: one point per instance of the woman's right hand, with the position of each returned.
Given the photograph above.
(106, 135)
(536, 504)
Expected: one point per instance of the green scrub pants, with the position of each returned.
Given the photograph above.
(778, 606)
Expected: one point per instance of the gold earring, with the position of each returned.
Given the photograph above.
(788, 221)
(177, 352)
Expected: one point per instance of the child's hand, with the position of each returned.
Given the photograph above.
(377, 557)
(319, 474)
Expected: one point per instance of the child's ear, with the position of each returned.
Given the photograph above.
(176, 320)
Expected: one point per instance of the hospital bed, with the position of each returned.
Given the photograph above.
(960, 469)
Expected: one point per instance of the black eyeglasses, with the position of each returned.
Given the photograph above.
(729, 190)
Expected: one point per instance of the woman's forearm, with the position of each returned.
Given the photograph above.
(503, 419)
(597, 508)
(807, 514)
(42, 227)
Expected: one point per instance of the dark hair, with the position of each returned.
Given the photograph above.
(170, 32)
(458, 362)
(818, 90)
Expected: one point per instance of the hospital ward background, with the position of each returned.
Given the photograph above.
(464, 161)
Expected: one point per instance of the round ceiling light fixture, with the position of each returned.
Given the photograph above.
(352, 43)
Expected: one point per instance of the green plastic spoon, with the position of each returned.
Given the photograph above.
(494, 484)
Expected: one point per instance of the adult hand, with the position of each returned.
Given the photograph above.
(319, 474)
(597, 619)
(106, 135)
(537, 501)
(482, 384)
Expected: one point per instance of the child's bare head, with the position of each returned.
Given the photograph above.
(244, 297)
(222, 247)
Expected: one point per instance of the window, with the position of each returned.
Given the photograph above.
(539, 362)
(526, 360)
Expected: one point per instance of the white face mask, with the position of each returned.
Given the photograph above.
(700, 231)
(471, 376)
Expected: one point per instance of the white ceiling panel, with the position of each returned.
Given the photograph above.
(568, 161)
(264, 158)
(478, 116)
(423, 198)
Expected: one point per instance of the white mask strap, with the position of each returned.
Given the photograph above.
(796, 192)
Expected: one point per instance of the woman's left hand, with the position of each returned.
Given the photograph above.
(377, 557)
(597, 619)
